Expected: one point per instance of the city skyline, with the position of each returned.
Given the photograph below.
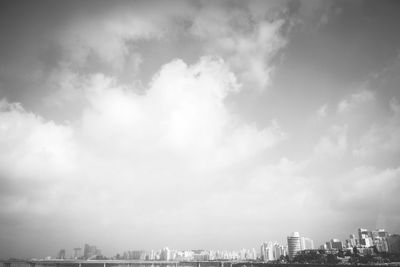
(196, 124)
(269, 250)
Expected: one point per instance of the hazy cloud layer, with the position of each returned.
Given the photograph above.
(204, 125)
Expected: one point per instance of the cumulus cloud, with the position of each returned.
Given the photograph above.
(183, 109)
(381, 140)
(244, 37)
(36, 156)
(333, 144)
(179, 134)
(312, 16)
(354, 100)
(369, 192)
(172, 161)
(176, 144)
(30, 144)
(109, 34)
(105, 37)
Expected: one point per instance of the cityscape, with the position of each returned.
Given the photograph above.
(365, 242)
(199, 133)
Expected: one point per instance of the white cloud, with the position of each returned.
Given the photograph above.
(322, 111)
(175, 160)
(31, 145)
(178, 153)
(314, 15)
(245, 39)
(66, 88)
(36, 158)
(367, 190)
(354, 100)
(183, 111)
(106, 36)
(178, 143)
(382, 140)
(333, 144)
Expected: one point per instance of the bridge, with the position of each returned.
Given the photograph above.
(140, 263)
(117, 263)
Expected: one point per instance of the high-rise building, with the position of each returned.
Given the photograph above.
(90, 252)
(382, 245)
(365, 237)
(279, 251)
(152, 255)
(394, 244)
(135, 255)
(165, 254)
(379, 233)
(336, 244)
(328, 245)
(61, 254)
(362, 233)
(379, 240)
(352, 241)
(294, 245)
(253, 254)
(202, 255)
(267, 251)
(306, 243)
(77, 253)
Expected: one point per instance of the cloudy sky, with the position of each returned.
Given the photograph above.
(196, 124)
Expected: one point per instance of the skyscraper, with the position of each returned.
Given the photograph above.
(279, 251)
(394, 243)
(267, 251)
(91, 251)
(306, 243)
(294, 245)
(379, 233)
(379, 239)
(61, 254)
(77, 253)
(365, 237)
(352, 242)
(336, 244)
(165, 254)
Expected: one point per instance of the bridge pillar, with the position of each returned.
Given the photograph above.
(80, 264)
(221, 264)
(31, 264)
(176, 264)
(105, 264)
(198, 264)
(7, 264)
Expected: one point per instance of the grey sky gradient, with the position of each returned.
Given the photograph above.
(196, 124)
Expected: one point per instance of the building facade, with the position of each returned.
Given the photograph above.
(294, 245)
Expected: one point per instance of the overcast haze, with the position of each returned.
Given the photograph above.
(196, 124)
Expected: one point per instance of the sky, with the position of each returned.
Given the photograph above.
(196, 124)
